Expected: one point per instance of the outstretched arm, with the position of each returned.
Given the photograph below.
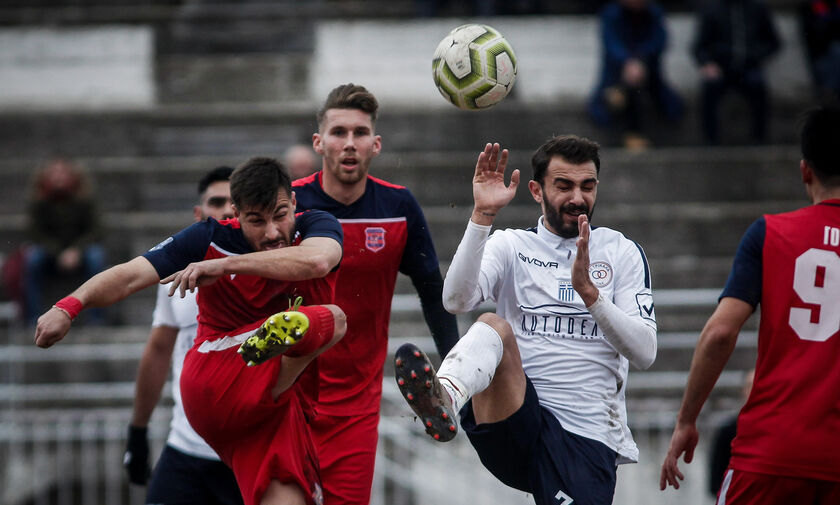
(101, 290)
(717, 340)
(313, 258)
(490, 195)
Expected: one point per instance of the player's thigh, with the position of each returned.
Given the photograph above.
(347, 454)
(750, 488)
(180, 479)
(504, 446)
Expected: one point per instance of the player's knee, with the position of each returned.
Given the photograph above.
(339, 321)
(499, 325)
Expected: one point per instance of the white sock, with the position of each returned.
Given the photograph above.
(470, 365)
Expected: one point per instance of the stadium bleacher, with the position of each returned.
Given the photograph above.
(229, 80)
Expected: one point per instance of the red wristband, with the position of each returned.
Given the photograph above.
(70, 305)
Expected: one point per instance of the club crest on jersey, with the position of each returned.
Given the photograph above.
(601, 273)
(375, 239)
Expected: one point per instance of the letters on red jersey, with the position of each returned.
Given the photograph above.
(790, 424)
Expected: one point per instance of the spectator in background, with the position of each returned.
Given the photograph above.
(300, 161)
(633, 39)
(820, 23)
(734, 40)
(722, 448)
(64, 229)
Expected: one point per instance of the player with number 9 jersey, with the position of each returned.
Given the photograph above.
(788, 432)
(790, 264)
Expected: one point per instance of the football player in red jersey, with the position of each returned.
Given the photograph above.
(788, 433)
(246, 269)
(385, 232)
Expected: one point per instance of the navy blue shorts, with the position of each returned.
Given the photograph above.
(181, 479)
(531, 451)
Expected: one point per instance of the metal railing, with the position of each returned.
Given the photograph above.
(70, 455)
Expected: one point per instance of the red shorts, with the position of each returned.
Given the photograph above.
(748, 488)
(347, 452)
(230, 405)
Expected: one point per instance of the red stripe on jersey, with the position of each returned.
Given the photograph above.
(385, 183)
(305, 180)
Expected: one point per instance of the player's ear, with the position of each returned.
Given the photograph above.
(197, 213)
(294, 201)
(316, 143)
(377, 145)
(806, 171)
(536, 190)
(235, 211)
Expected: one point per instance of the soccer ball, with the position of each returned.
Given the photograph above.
(474, 67)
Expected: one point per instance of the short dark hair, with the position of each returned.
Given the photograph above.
(818, 140)
(215, 175)
(256, 183)
(349, 96)
(571, 148)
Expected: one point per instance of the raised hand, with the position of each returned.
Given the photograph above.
(490, 193)
(581, 281)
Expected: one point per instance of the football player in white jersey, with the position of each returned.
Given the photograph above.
(540, 384)
(188, 470)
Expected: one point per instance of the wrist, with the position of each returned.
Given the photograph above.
(484, 217)
(590, 296)
(70, 306)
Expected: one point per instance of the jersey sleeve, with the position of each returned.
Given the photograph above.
(419, 257)
(633, 294)
(163, 314)
(494, 265)
(744, 281)
(317, 223)
(176, 252)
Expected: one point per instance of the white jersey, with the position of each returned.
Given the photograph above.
(181, 313)
(578, 375)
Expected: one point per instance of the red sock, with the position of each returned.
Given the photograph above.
(320, 332)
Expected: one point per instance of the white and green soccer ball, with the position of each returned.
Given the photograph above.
(474, 67)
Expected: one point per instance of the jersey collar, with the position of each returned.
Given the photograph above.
(555, 241)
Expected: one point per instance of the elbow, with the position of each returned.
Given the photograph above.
(646, 361)
(454, 302)
(319, 267)
(453, 305)
(646, 356)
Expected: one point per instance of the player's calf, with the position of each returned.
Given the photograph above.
(419, 385)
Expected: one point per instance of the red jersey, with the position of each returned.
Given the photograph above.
(384, 232)
(790, 424)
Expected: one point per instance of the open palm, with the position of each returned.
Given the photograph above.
(489, 190)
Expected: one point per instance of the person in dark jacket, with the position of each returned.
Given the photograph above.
(734, 40)
(820, 23)
(633, 40)
(64, 230)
